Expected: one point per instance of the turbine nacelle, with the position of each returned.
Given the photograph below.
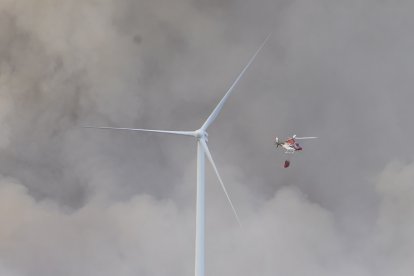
(201, 134)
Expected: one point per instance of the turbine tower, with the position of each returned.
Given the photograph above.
(202, 151)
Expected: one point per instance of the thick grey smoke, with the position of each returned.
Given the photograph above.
(82, 202)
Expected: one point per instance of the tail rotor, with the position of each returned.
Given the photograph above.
(277, 143)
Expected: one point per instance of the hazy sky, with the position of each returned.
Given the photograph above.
(82, 202)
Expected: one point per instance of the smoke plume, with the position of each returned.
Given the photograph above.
(76, 201)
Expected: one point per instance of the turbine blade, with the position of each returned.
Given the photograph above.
(210, 158)
(187, 133)
(216, 110)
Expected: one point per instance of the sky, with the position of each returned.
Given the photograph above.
(77, 201)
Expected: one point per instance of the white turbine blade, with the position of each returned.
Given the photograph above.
(187, 133)
(210, 158)
(304, 138)
(216, 111)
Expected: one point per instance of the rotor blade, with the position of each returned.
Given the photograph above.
(187, 133)
(304, 138)
(216, 111)
(210, 158)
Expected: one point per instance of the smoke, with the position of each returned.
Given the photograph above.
(75, 201)
(145, 236)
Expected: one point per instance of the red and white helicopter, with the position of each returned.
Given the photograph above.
(291, 146)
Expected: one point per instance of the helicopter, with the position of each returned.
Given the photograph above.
(291, 146)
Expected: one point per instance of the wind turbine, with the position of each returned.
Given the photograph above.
(202, 151)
